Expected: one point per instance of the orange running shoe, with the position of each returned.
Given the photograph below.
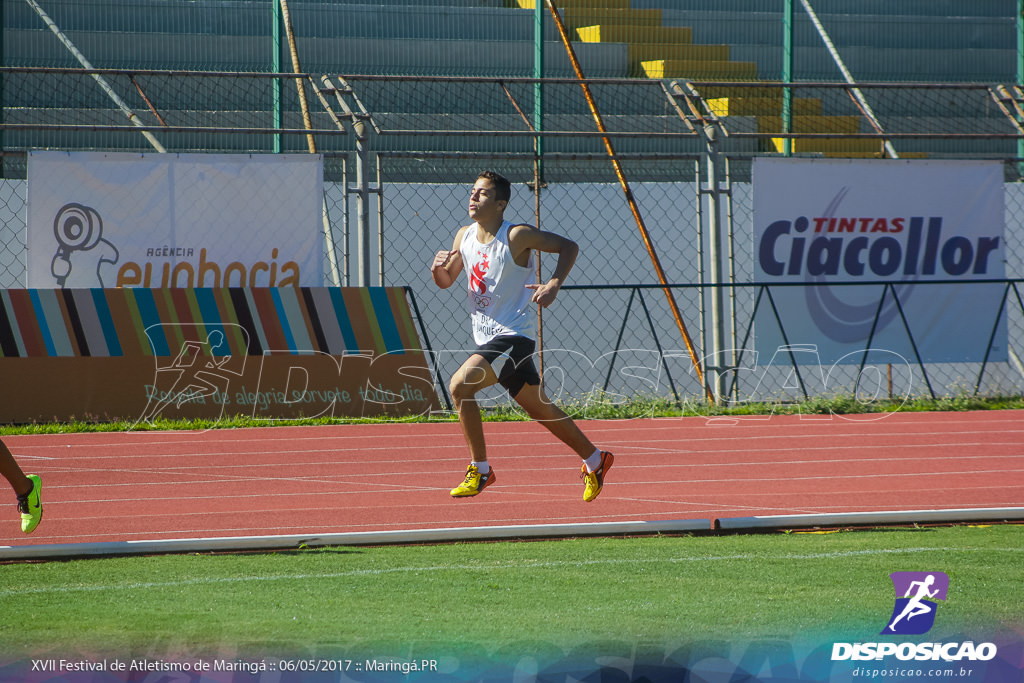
(474, 483)
(595, 480)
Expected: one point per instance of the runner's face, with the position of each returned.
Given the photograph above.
(483, 204)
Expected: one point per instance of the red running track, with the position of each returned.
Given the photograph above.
(110, 487)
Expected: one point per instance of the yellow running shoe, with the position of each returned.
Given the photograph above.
(474, 483)
(31, 505)
(595, 480)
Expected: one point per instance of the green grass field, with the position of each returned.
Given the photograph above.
(559, 595)
(772, 603)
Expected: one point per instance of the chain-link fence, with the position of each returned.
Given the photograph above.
(400, 154)
(606, 339)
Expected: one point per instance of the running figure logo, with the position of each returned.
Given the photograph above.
(916, 592)
(201, 373)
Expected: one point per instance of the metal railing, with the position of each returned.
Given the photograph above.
(748, 384)
(416, 143)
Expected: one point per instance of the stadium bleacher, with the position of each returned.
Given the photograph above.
(911, 41)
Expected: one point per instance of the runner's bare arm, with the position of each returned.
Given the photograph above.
(447, 265)
(525, 237)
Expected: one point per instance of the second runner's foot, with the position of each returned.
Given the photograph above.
(31, 505)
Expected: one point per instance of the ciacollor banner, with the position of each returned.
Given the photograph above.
(834, 225)
(139, 354)
(99, 219)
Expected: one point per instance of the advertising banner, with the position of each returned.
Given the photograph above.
(139, 354)
(98, 219)
(864, 238)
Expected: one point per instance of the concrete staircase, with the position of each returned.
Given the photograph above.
(655, 50)
(659, 51)
(807, 117)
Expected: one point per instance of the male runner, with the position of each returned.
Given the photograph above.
(498, 258)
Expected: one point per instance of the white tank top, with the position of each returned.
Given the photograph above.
(499, 302)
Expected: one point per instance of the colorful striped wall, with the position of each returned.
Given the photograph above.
(156, 322)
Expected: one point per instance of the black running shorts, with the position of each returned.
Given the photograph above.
(519, 369)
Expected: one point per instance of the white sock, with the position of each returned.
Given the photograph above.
(594, 461)
(482, 467)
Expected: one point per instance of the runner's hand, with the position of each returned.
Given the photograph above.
(545, 294)
(441, 259)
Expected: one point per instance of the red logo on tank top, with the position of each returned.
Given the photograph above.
(478, 273)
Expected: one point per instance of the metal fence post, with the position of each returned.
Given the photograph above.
(1020, 70)
(360, 119)
(275, 67)
(712, 156)
(362, 196)
(787, 75)
(538, 86)
(3, 157)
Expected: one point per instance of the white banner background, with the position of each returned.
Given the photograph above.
(205, 220)
(904, 220)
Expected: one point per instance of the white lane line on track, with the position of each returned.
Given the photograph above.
(499, 496)
(528, 429)
(631, 446)
(348, 479)
(634, 452)
(633, 455)
(356, 573)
